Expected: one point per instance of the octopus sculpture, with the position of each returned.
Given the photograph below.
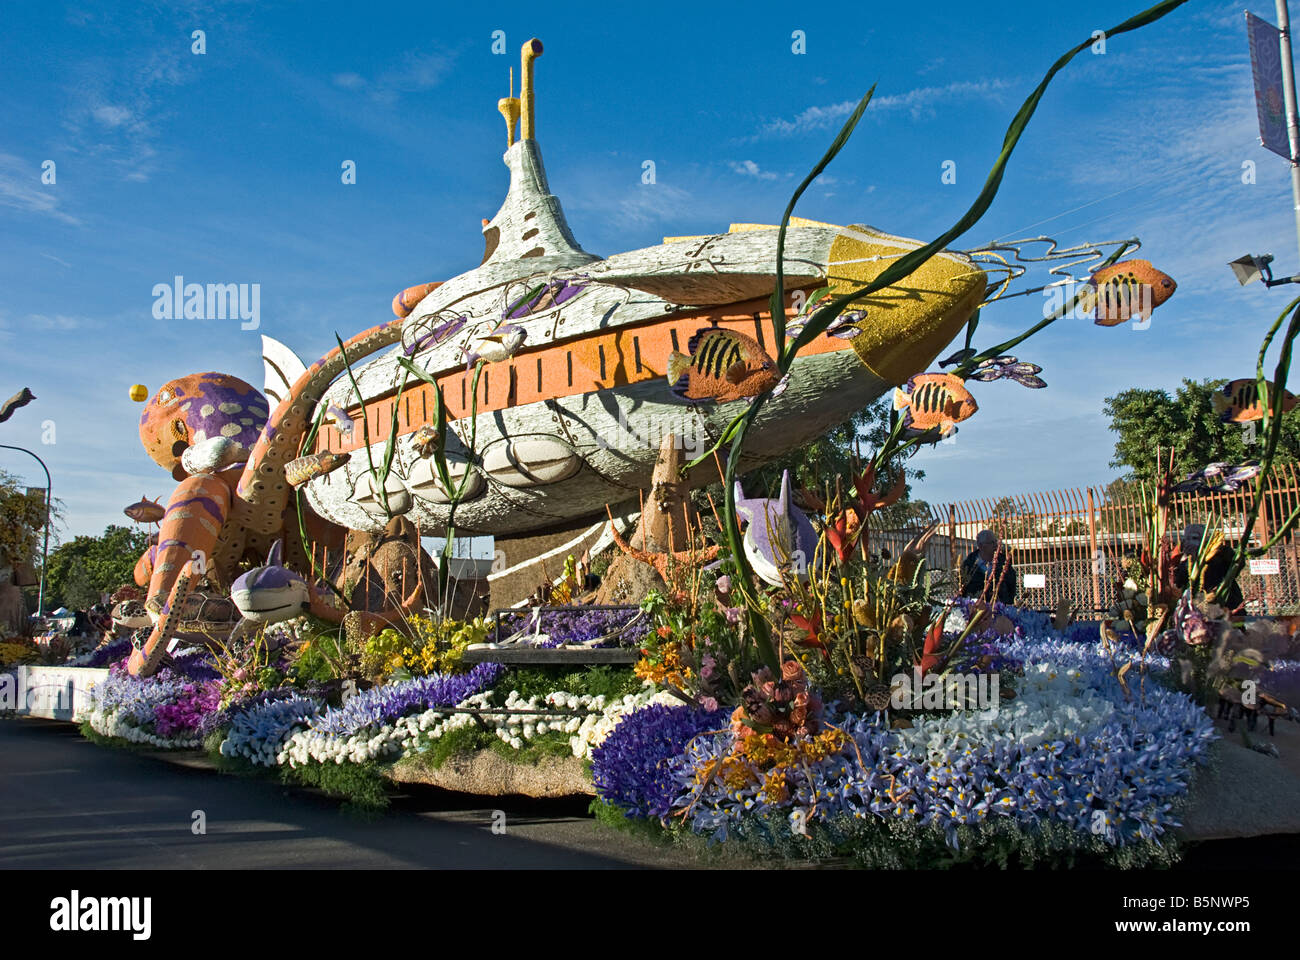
(218, 438)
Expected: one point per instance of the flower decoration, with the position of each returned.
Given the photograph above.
(784, 706)
(637, 765)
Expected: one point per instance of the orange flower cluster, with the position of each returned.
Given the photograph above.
(763, 749)
(668, 667)
(767, 760)
(775, 789)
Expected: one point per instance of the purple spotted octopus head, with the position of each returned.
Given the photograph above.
(191, 409)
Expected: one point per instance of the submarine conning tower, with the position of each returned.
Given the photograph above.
(530, 225)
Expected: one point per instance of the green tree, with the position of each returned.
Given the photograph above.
(22, 521)
(1144, 419)
(89, 566)
(831, 455)
(78, 592)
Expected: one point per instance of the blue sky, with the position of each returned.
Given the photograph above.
(225, 168)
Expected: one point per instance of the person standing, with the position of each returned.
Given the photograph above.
(1216, 565)
(986, 563)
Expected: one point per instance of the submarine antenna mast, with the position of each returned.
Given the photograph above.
(509, 107)
(531, 51)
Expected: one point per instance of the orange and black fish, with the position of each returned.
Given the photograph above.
(722, 365)
(1124, 289)
(931, 400)
(1238, 401)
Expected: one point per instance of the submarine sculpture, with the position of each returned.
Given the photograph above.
(573, 419)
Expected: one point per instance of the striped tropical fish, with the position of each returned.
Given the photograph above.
(722, 365)
(1238, 401)
(930, 400)
(1124, 289)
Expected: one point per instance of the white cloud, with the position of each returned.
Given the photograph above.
(110, 115)
(21, 189)
(748, 168)
(12, 330)
(118, 107)
(922, 100)
(413, 72)
(627, 210)
(813, 118)
(416, 71)
(58, 321)
(651, 203)
(919, 102)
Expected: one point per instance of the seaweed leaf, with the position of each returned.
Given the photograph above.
(365, 420)
(1272, 436)
(907, 264)
(390, 446)
(778, 295)
(898, 270)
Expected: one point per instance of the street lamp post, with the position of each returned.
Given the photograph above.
(1255, 267)
(45, 547)
(1289, 101)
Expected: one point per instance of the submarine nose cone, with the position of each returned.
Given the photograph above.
(911, 322)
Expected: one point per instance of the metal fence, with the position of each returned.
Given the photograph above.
(1077, 539)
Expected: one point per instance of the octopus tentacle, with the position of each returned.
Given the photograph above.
(146, 658)
(262, 491)
(196, 513)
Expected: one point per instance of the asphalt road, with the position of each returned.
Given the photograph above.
(66, 803)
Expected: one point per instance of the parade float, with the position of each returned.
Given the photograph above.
(749, 673)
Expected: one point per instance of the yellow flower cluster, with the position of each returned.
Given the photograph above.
(15, 653)
(667, 668)
(431, 646)
(764, 749)
(567, 590)
(735, 773)
(762, 758)
(775, 789)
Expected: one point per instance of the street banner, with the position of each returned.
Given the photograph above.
(1266, 68)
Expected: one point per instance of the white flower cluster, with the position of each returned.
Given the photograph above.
(405, 735)
(315, 746)
(593, 730)
(1052, 703)
(113, 725)
(585, 732)
(955, 622)
(287, 631)
(264, 753)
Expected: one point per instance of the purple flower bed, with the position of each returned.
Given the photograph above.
(257, 731)
(137, 701)
(1034, 623)
(196, 666)
(186, 714)
(380, 705)
(574, 625)
(636, 767)
(1131, 764)
(105, 654)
